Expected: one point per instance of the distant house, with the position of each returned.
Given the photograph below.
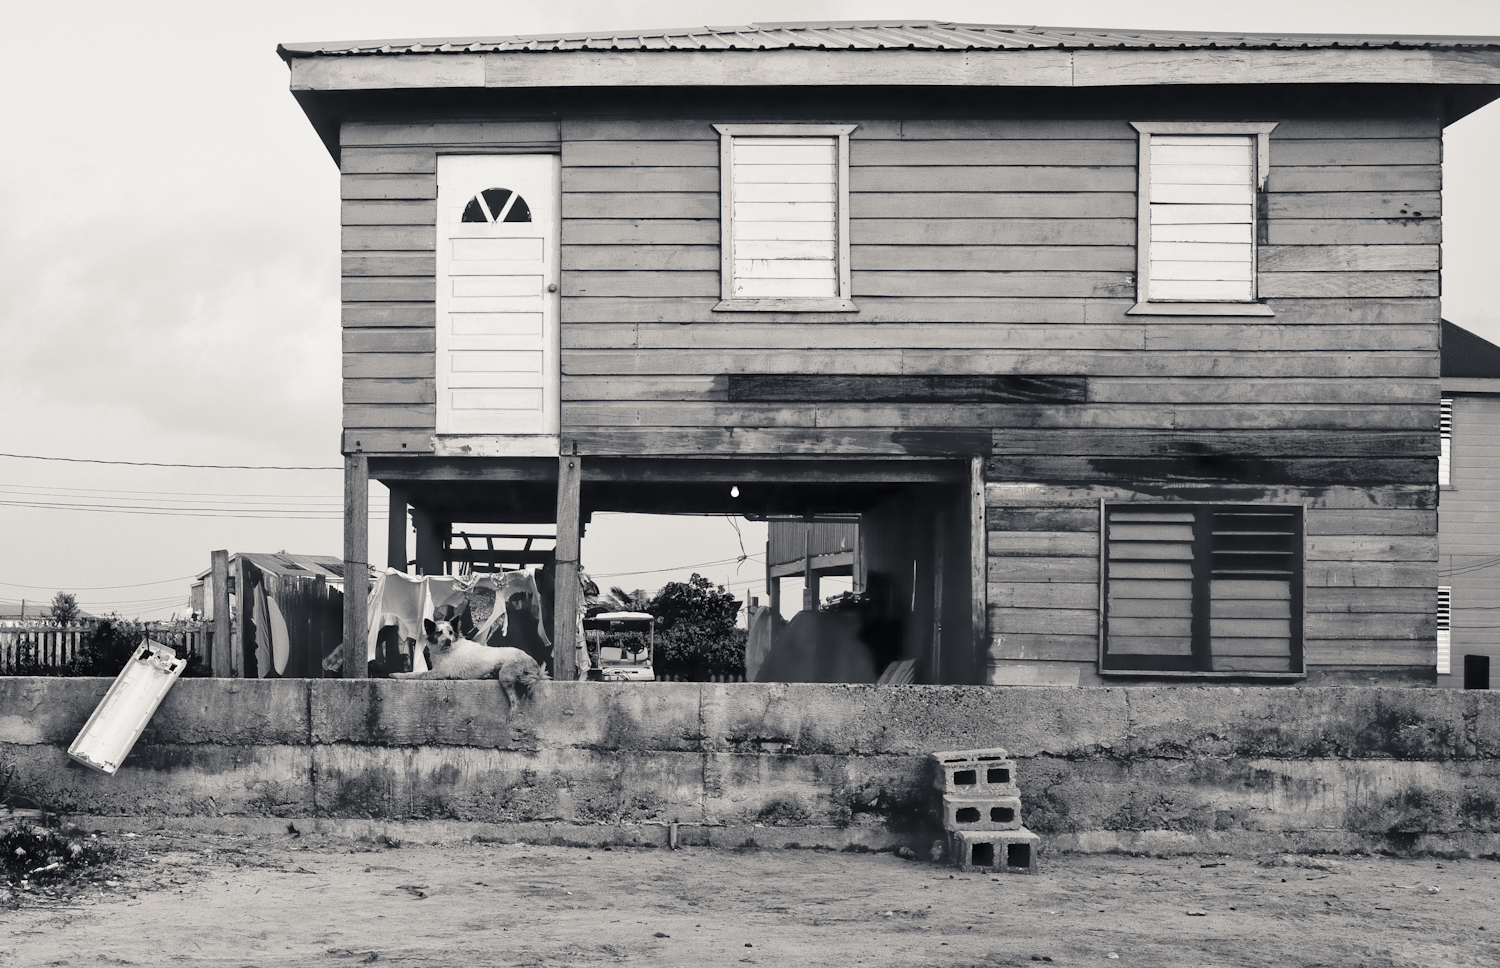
(33, 611)
(281, 564)
(1468, 604)
(1123, 345)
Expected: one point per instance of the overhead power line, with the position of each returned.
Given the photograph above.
(147, 463)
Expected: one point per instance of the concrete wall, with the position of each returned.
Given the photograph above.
(1158, 768)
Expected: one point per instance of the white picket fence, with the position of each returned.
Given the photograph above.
(46, 648)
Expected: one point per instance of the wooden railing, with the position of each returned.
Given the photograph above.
(49, 649)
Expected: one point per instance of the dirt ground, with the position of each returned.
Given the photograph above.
(305, 900)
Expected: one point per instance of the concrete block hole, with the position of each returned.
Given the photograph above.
(1000, 815)
(1016, 855)
(997, 775)
(967, 815)
(965, 777)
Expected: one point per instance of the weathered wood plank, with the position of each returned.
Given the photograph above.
(1348, 284)
(943, 129)
(1036, 570)
(990, 231)
(995, 258)
(1366, 178)
(641, 154)
(1415, 547)
(396, 161)
(1373, 625)
(991, 178)
(921, 362)
(669, 441)
(1359, 205)
(1403, 522)
(1044, 595)
(595, 416)
(827, 387)
(389, 289)
(872, 309)
(357, 211)
(640, 179)
(622, 205)
(1301, 417)
(1042, 519)
(389, 366)
(975, 283)
(390, 264)
(1268, 443)
(1370, 574)
(390, 339)
(1007, 492)
(1357, 600)
(1342, 128)
(1360, 151)
(389, 238)
(410, 415)
(640, 283)
(644, 231)
(356, 553)
(1057, 621)
(648, 410)
(1354, 231)
(1213, 390)
(1265, 337)
(1036, 646)
(637, 389)
(457, 132)
(656, 258)
(639, 129)
(389, 314)
(388, 186)
(1343, 258)
(1002, 205)
(798, 334)
(1228, 470)
(388, 441)
(1008, 151)
(1062, 544)
(415, 390)
(1369, 652)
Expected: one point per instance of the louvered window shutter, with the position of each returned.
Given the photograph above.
(1202, 241)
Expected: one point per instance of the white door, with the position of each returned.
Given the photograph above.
(497, 301)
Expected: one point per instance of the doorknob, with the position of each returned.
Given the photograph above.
(552, 287)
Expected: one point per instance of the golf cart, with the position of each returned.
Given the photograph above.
(623, 643)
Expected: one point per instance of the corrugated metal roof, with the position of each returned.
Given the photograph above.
(874, 35)
(1467, 354)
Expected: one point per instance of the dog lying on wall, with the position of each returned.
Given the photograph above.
(458, 658)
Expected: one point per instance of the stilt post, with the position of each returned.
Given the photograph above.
(356, 565)
(218, 660)
(565, 589)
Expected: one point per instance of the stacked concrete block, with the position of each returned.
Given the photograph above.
(981, 811)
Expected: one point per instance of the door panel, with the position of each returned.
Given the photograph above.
(497, 335)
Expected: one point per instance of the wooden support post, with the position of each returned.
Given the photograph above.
(356, 565)
(317, 628)
(218, 659)
(809, 591)
(241, 616)
(430, 535)
(395, 531)
(939, 548)
(978, 572)
(565, 588)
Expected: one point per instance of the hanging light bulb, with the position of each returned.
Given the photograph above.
(734, 491)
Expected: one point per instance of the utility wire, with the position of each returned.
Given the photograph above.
(147, 463)
(100, 588)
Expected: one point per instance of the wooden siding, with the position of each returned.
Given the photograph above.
(983, 248)
(1469, 534)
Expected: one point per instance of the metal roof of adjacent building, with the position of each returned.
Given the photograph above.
(877, 35)
(1468, 355)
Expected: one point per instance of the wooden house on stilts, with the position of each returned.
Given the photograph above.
(1124, 346)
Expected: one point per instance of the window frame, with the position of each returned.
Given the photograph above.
(1445, 443)
(1145, 305)
(1297, 644)
(822, 304)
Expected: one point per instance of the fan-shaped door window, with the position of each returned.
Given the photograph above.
(497, 205)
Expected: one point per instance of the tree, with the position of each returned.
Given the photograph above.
(65, 608)
(698, 603)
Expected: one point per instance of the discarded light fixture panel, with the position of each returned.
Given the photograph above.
(109, 735)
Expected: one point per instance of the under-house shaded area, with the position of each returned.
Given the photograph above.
(910, 619)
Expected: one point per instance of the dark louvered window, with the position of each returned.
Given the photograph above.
(1202, 589)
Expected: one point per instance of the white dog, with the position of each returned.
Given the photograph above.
(456, 658)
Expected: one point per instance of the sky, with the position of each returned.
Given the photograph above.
(169, 262)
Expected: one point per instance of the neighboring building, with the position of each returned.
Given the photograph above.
(1468, 608)
(279, 565)
(1124, 345)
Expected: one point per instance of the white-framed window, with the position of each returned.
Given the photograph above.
(1445, 630)
(1445, 442)
(784, 224)
(1196, 223)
